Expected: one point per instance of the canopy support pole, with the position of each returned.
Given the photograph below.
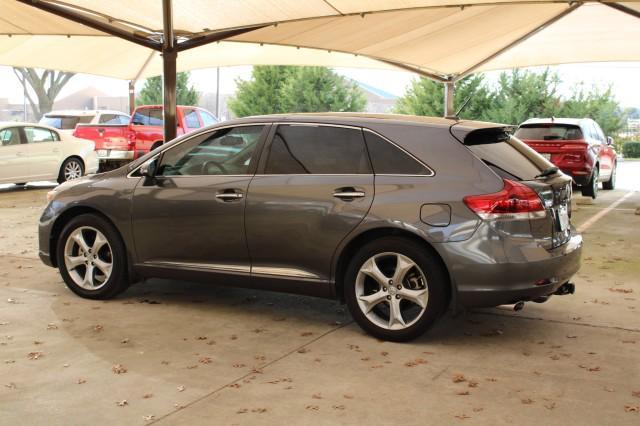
(169, 56)
(623, 9)
(449, 92)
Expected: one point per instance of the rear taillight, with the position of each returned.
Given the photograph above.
(515, 201)
(131, 135)
(576, 158)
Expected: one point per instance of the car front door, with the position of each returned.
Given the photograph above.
(190, 216)
(14, 163)
(314, 186)
(44, 152)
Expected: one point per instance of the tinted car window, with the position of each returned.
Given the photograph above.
(108, 119)
(391, 160)
(548, 132)
(207, 119)
(38, 135)
(65, 122)
(191, 118)
(10, 136)
(303, 149)
(223, 152)
(140, 118)
(510, 158)
(148, 117)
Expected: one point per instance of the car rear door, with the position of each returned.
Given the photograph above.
(14, 163)
(44, 152)
(314, 186)
(190, 217)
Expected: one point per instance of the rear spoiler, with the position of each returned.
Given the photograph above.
(479, 133)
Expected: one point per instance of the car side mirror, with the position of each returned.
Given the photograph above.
(148, 168)
(609, 140)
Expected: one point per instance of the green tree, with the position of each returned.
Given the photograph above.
(151, 93)
(319, 89)
(277, 89)
(262, 93)
(521, 95)
(598, 105)
(426, 97)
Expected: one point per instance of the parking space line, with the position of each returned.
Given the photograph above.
(251, 373)
(596, 217)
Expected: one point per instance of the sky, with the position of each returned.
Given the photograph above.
(623, 77)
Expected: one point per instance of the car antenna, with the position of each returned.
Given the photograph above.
(456, 116)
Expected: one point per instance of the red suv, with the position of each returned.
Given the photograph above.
(577, 146)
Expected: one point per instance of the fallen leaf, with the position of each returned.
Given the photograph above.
(608, 389)
(52, 326)
(473, 384)
(35, 355)
(316, 396)
(338, 407)
(205, 360)
(303, 350)
(306, 333)
(527, 401)
(148, 417)
(239, 365)
(621, 290)
(201, 338)
(118, 369)
(312, 407)
(462, 417)
(242, 411)
(147, 396)
(10, 385)
(98, 328)
(465, 392)
(477, 409)
(124, 341)
(81, 381)
(122, 403)
(550, 405)
(181, 388)
(571, 336)
(632, 408)
(458, 378)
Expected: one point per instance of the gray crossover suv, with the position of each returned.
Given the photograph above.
(400, 217)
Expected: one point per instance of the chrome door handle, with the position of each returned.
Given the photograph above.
(229, 196)
(349, 194)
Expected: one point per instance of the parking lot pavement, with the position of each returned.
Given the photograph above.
(180, 353)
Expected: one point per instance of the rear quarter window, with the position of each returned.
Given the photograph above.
(507, 156)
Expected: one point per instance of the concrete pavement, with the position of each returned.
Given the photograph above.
(179, 353)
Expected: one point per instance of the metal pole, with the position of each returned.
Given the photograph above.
(132, 96)
(218, 93)
(169, 55)
(24, 100)
(449, 91)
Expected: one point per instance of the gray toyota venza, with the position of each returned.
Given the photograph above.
(400, 217)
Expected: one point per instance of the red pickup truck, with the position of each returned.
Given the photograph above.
(117, 144)
(578, 147)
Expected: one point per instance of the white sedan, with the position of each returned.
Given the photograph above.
(33, 152)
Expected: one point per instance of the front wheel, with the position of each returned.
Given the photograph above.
(71, 169)
(92, 258)
(611, 183)
(395, 289)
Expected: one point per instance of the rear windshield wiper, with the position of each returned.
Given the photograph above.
(548, 172)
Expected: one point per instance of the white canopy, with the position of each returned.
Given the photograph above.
(444, 39)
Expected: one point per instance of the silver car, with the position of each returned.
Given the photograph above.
(400, 217)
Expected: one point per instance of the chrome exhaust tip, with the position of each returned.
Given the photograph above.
(566, 288)
(518, 306)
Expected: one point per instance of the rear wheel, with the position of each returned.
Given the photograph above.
(591, 188)
(71, 169)
(155, 145)
(91, 258)
(395, 289)
(611, 183)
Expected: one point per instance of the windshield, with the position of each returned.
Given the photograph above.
(549, 132)
(65, 122)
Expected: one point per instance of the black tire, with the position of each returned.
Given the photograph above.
(437, 286)
(118, 280)
(155, 145)
(591, 188)
(611, 183)
(74, 162)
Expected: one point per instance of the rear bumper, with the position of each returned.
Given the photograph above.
(580, 177)
(524, 274)
(114, 155)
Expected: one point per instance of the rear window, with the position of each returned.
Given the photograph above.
(507, 156)
(549, 132)
(65, 122)
(148, 117)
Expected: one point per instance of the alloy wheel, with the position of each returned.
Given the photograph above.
(391, 291)
(88, 258)
(72, 170)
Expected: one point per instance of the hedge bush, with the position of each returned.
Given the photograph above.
(631, 149)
